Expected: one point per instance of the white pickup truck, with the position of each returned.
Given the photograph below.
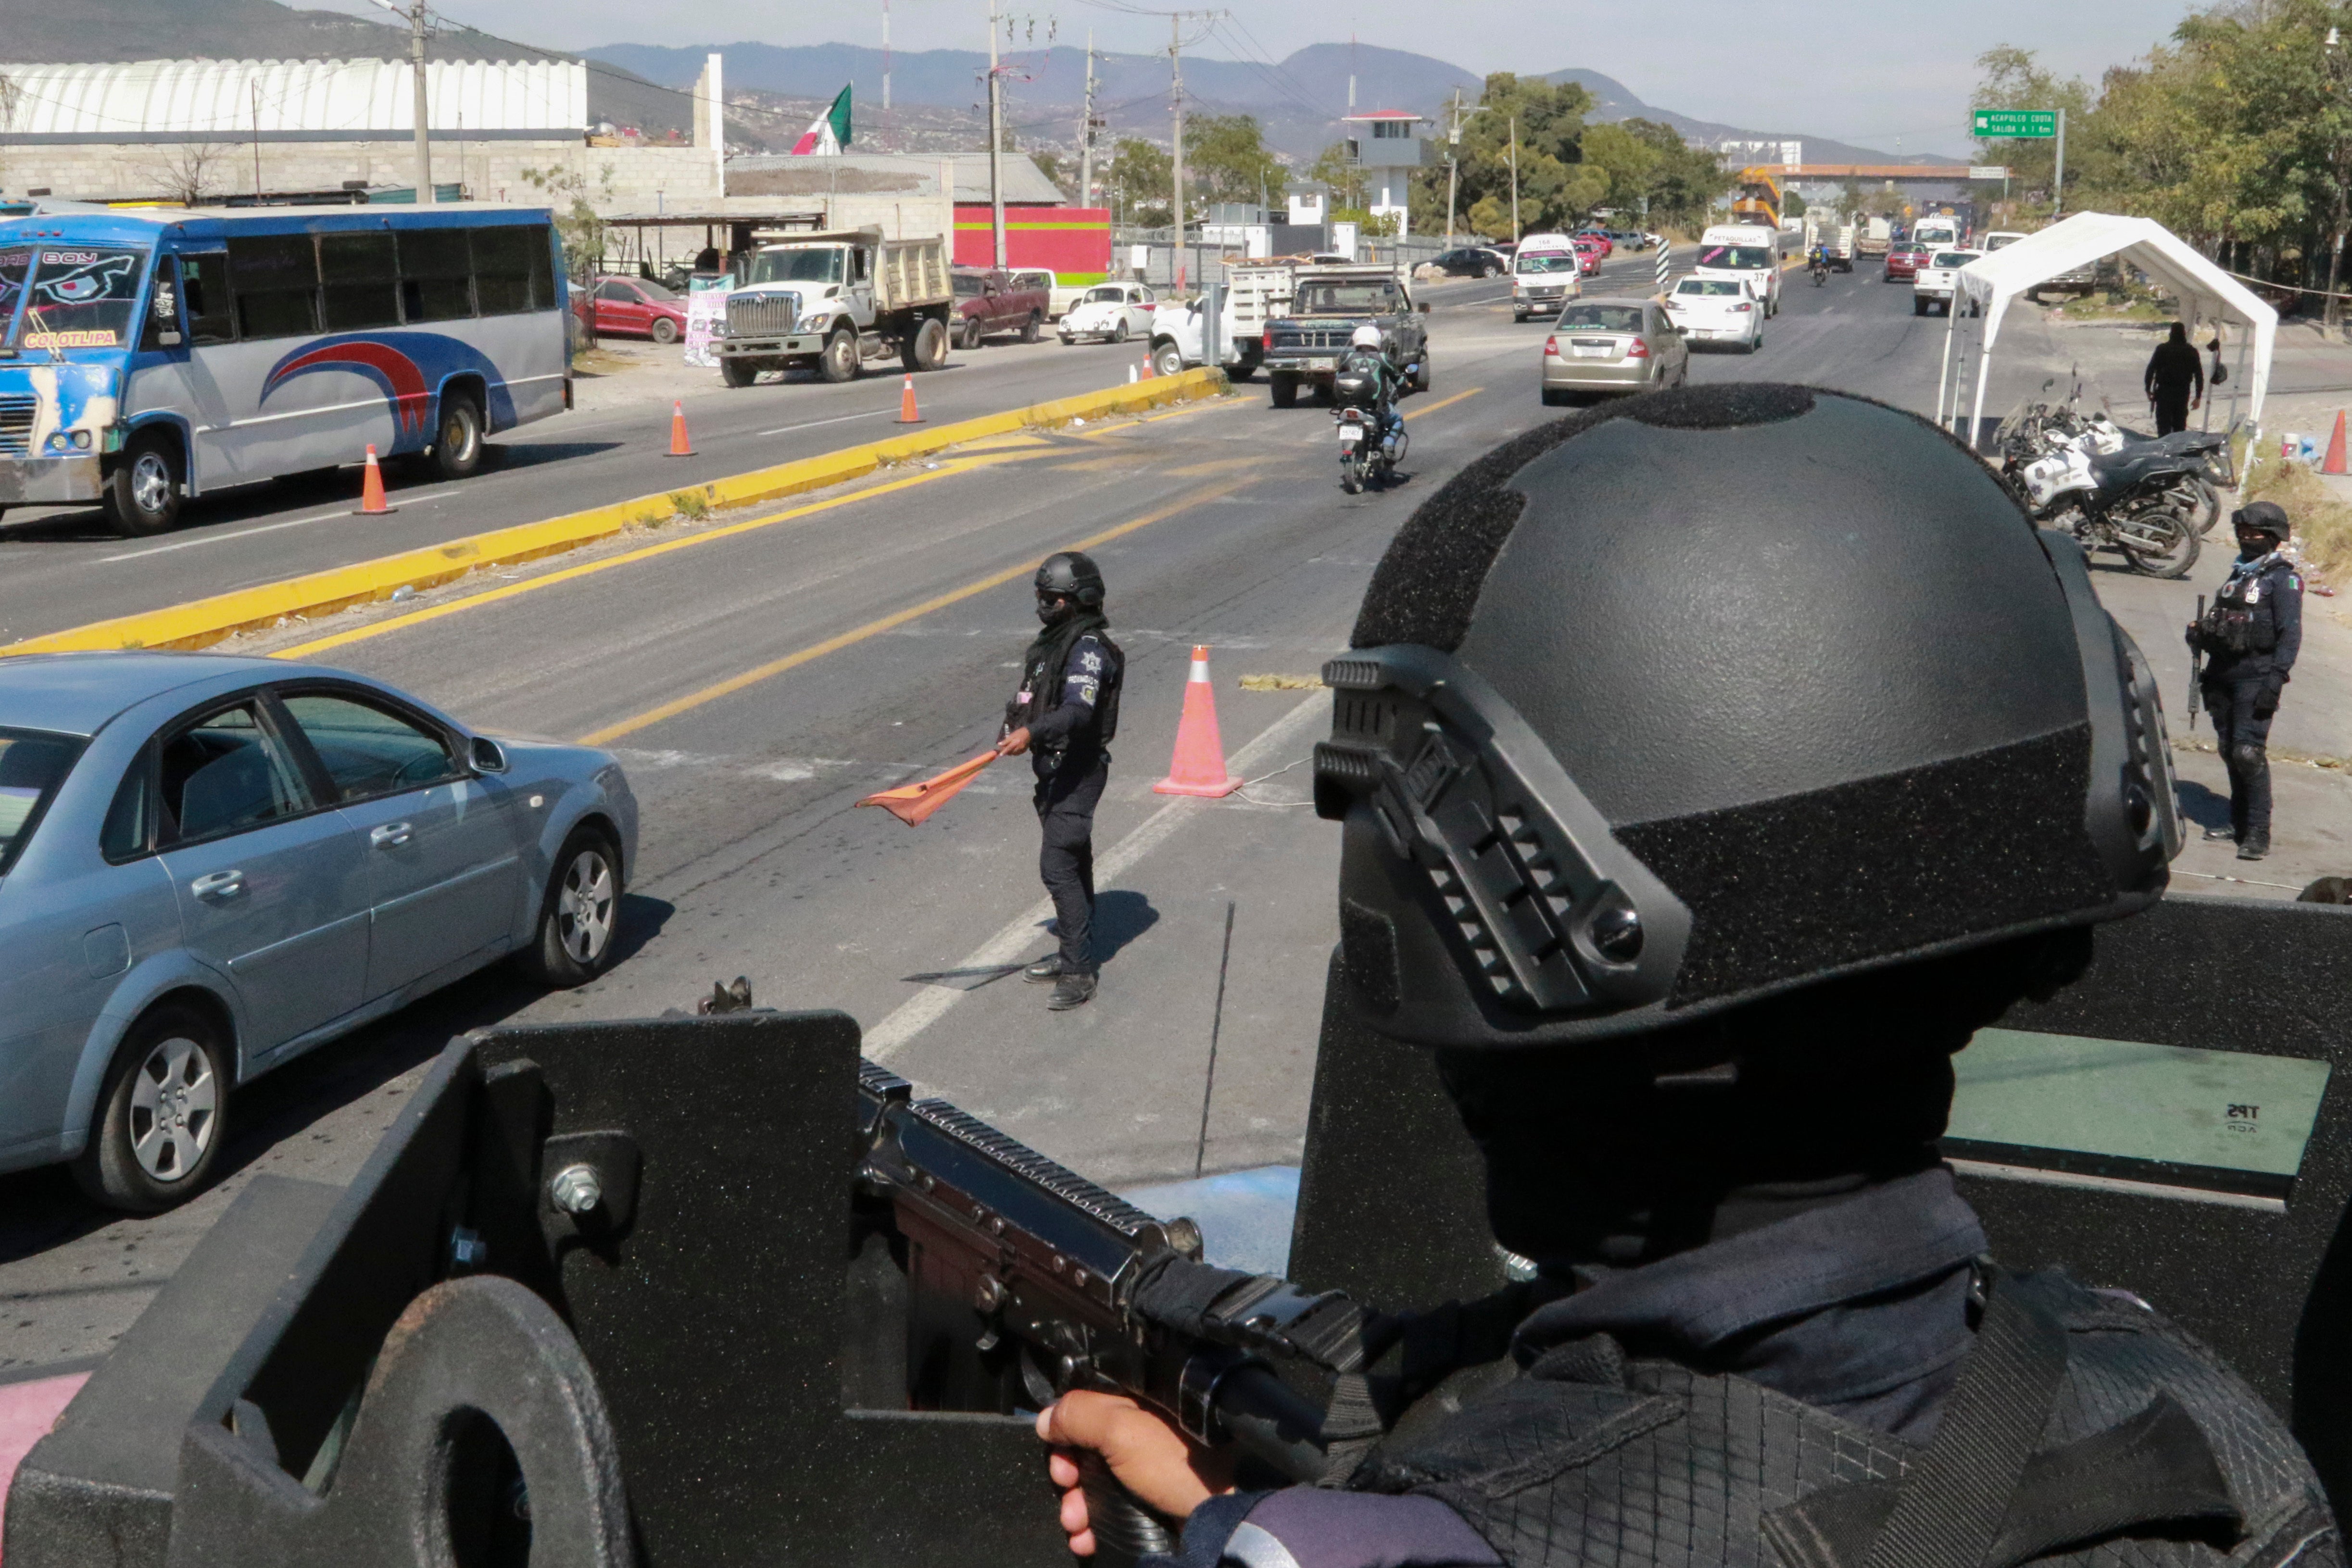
(833, 300)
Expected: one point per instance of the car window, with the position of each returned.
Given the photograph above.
(1955, 257)
(125, 833)
(367, 750)
(968, 286)
(1720, 288)
(33, 763)
(1111, 292)
(656, 292)
(1603, 318)
(1740, 257)
(225, 773)
(616, 291)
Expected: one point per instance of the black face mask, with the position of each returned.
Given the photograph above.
(1052, 609)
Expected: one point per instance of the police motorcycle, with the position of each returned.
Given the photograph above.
(2202, 490)
(2138, 502)
(1372, 440)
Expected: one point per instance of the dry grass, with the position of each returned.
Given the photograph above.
(600, 363)
(2323, 524)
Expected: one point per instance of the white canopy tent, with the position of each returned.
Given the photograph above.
(2206, 295)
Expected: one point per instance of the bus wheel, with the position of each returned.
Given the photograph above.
(457, 446)
(142, 493)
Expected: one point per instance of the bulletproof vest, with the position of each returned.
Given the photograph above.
(1045, 684)
(2149, 1455)
(2243, 617)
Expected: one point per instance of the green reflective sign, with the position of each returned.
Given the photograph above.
(2034, 123)
(2221, 1120)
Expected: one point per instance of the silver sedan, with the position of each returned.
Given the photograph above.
(209, 865)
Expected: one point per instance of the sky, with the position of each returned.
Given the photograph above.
(1875, 72)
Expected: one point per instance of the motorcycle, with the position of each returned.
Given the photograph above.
(1369, 450)
(1820, 273)
(2208, 450)
(2130, 501)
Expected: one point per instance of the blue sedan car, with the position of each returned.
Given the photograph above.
(209, 865)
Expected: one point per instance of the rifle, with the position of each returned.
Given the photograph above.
(1027, 1280)
(2196, 653)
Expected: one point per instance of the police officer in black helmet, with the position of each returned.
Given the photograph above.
(1065, 717)
(2250, 638)
(1695, 875)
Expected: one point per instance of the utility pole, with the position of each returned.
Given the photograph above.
(886, 63)
(256, 141)
(423, 108)
(1087, 131)
(1514, 181)
(1453, 165)
(2058, 182)
(995, 140)
(1176, 92)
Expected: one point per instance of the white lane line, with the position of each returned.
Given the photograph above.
(265, 528)
(919, 1012)
(811, 424)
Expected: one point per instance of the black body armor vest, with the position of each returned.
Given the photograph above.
(2243, 619)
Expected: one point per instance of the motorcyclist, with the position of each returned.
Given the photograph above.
(1368, 354)
(1820, 264)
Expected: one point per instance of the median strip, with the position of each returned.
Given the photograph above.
(203, 621)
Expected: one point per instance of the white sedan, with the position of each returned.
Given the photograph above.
(1111, 313)
(1717, 310)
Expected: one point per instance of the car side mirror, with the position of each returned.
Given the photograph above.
(1423, 307)
(486, 755)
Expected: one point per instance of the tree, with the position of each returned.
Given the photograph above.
(186, 172)
(1142, 173)
(2007, 78)
(1335, 166)
(1226, 160)
(576, 222)
(1851, 200)
(1556, 189)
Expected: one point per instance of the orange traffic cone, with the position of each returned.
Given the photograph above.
(1199, 765)
(371, 501)
(913, 803)
(2334, 463)
(906, 411)
(679, 446)
(1146, 373)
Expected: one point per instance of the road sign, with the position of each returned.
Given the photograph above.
(2026, 124)
(1988, 170)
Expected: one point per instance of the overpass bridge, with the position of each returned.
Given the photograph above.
(1915, 173)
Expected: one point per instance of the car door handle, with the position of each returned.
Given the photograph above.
(391, 835)
(218, 885)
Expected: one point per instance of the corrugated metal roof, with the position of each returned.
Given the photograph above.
(886, 173)
(231, 100)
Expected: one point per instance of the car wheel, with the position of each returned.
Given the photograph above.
(736, 372)
(1067, 341)
(1283, 388)
(928, 351)
(1420, 376)
(838, 363)
(142, 493)
(664, 330)
(580, 914)
(1520, 317)
(159, 1127)
(457, 443)
(1918, 307)
(1555, 398)
(1167, 359)
(971, 334)
(1033, 328)
(1118, 331)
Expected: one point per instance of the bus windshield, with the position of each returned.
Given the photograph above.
(807, 264)
(1735, 258)
(79, 296)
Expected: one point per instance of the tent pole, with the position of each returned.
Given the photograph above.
(1943, 373)
(1984, 369)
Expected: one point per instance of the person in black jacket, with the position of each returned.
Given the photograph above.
(2175, 380)
(2250, 639)
(1694, 921)
(1064, 717)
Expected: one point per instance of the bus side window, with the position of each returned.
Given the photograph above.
(512, 272)
(276, 281)
(362, 283)
(435, 276)
(203, 286)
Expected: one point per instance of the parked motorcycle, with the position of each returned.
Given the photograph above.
(2134, 501)
(2207, 450)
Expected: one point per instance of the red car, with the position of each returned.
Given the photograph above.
(1902, 263)
(637, 308)
(1608, 246)
(1588, 256)
(990, 301)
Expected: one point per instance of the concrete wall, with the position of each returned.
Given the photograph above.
(618, 179)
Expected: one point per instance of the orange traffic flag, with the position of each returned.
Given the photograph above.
(914, 804)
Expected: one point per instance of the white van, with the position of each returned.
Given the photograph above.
(1746, 252)
(1938, 232)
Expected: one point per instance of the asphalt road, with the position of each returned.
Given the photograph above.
(756, 682)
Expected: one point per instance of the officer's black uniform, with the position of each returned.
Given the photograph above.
(2174, 374)
(1068, 701)
(1695, 920)
(2250, 639)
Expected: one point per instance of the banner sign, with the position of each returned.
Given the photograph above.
(2026, 124)
(706, 309)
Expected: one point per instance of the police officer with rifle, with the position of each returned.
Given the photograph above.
(1695, 919)
(2248, 641)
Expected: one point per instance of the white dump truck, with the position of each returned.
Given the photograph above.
(833, 301)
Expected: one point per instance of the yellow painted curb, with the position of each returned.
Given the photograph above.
(203, 621)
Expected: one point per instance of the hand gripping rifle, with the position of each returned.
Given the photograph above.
(1054, 1283)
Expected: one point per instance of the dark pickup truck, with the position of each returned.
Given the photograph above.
(1327, 305)
(987, 300)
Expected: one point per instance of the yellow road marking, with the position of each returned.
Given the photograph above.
(815, 650)
(1203, 406)
(1442, 403)
(532, 585)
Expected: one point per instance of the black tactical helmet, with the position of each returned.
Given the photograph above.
(2265, 516)
(1713, 693)
(1070, 574)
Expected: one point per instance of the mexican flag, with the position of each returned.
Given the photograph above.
(829, 132)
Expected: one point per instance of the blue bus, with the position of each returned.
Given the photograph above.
(151, 354)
